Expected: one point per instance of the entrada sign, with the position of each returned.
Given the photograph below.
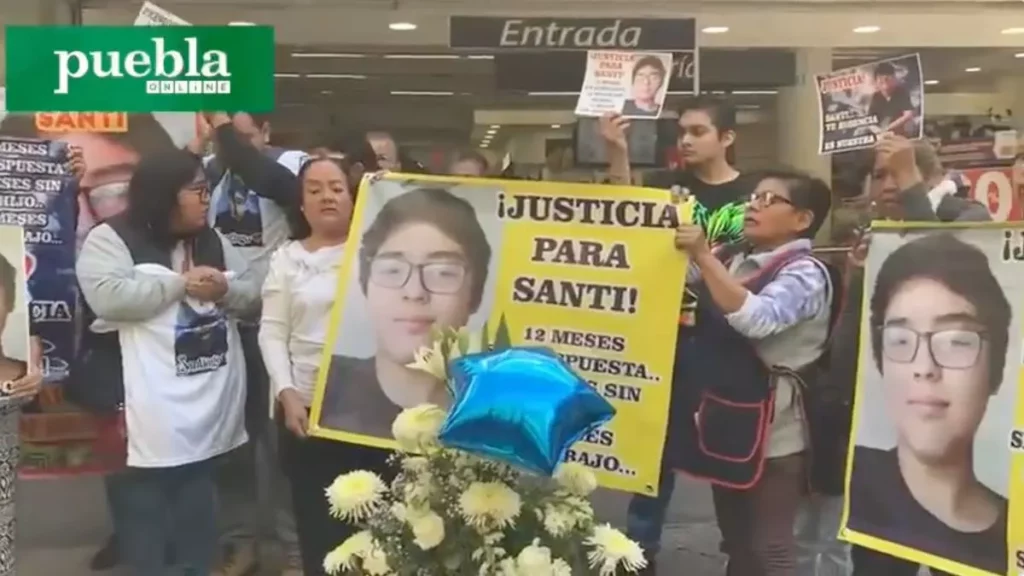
(474, 32)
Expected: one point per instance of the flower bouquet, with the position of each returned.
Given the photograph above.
(452, 513)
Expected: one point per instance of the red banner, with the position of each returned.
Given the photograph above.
(993, 187)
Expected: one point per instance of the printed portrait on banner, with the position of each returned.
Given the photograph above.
(582, 269)
(938, 398)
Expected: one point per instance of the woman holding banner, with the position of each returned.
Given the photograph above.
(900, 180)
(297, 297)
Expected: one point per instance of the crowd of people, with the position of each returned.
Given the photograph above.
(207, 294)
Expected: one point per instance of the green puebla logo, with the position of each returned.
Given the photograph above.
(166, 71)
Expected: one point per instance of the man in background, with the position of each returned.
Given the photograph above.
(707, 131)
(252, 185)
(906, 182)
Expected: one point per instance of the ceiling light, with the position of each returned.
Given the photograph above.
(931, 82)
(402, 26)
(325, 92)
(715, 29)
(494, 126)
(556, 126)
(491, 132)
(552, 93)
(338, 76)
(754, 92)
(420, 93)
(422, 56)
(972, 69)
(326, 55)
(1015, 30)
(286, 75)
(481, 56)
(866, 29)
(241, 23)
(1019, 55)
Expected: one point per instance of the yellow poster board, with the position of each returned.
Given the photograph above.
(590, 271)
(935, 466)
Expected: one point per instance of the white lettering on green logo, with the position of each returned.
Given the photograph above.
(196, 72)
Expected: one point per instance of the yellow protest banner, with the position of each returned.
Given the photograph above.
(589, 271)
(935, 457)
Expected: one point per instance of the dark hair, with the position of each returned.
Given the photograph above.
(649, 62)
(145, 136)
(471, 156)
(153, 191)
(805, 193)
(258, 119)
(298, 225)
(8, 282)
(721, 112)
(885, 69)
(452, 215)
(961, 268)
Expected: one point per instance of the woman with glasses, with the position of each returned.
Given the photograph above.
(164, 291)
(939, 336)
(422, 264)
(297, 297)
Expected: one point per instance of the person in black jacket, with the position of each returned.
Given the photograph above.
(901, 183)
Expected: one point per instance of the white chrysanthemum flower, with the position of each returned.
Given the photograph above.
(430, 359)
(576, 478)
(489, 503)
(427, 529)
(342, 558)
(534, 559)
(375, 562)
(416, 428)
(558, 521)
(355, 495)
(560, 567)
(415, 463)
(610, 548)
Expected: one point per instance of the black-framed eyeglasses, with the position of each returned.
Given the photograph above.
(956, 349)
(768, 198)
(438, 277)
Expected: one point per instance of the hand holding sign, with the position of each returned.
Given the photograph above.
(897, 153)
(613, 128)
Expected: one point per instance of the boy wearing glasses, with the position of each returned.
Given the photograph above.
(904, 183)
(939, 335)
(422, 264)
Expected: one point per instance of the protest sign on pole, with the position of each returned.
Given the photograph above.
(633, 84)
(152, 15)
(586, 270)
(857, 104)
(938, 411)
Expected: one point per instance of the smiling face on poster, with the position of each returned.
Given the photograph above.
(633, 84)
(937, 396)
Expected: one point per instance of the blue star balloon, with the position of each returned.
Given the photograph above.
(522, 406)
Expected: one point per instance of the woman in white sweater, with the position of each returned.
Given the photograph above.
(297, 297)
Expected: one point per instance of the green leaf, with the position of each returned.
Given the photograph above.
(485, 337)
(502, 338)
